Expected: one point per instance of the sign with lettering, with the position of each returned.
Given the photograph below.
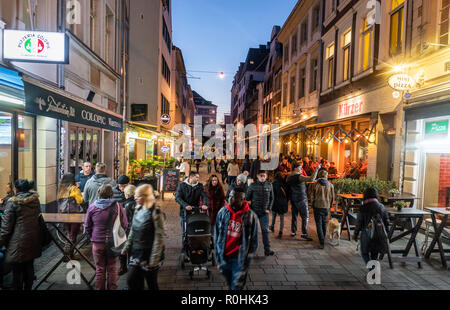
(165, 119)
(165, 149)
(436, 128)
(35, 46)
(144, 134)
(170, 180)
(350, 108)
(402, 82)
(44, 102)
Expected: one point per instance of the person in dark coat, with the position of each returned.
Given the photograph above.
(254, 169)
(370, 208)
(246, 165)
(20, 234)
(240, 182)
(280, 204)
(189, 195)
(216, 198)
(4, 200)
(224, 169)
(129, 205)
(119, 195)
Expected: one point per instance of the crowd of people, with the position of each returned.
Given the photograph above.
(235, 214)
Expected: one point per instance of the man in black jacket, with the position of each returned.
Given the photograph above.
(299, 200)
(241, 182)
(188, 196)
(260, 195)
(122, 182)
(254, 169)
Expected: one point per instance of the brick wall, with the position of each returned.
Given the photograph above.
(444, 179)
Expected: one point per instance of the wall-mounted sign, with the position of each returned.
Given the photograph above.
(437, 128)
(165, 149)
(350, 108)
(35, 46)
(402, 82)
(165, 119)
(144, 134)
(44, 102)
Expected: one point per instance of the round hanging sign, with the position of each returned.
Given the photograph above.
(402, 82)
(165, 119)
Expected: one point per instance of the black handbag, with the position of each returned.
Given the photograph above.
(111, 250)
(44, 233)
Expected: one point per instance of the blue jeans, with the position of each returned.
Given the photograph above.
(234, 275)
(264, 224)
(300, 207)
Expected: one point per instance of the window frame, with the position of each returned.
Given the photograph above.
(331, 61)
(400, 35)
(346, 57)
(302, 83)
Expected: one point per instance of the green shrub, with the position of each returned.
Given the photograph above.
(350, 186)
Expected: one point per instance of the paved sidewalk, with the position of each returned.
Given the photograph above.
(297, 265)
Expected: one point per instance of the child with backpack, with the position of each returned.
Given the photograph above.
(372, 222)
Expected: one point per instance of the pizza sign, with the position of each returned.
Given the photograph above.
(35, 46)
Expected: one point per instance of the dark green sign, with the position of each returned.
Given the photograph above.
(437, 128)
(44, 102)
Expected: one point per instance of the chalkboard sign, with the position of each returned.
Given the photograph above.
(170, 180)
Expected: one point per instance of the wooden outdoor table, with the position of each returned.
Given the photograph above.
(65, 218)
(437, 234)
(389, 200)
(348, 203)
(411, 214)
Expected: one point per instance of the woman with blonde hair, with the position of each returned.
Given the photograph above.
(145, 244)
(69, 201)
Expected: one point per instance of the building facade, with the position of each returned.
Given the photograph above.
(56, 116)
(206, 109)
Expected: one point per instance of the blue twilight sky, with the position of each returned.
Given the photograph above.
(215, 35)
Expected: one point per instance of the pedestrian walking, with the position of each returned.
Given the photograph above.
(190, 194)
(84, 175)
(216, 198)
(69, 201)
(216, 162)
(99, 223)
(236, 240)
(240, 182)
(145, 243)
(260, 196)
(371, 212)
(119, 194)
(223, 165)
(20, 233)
(129, 205)
(209, 162)
(93, 184)
(232, 171)
(246, 166)
(255, 168)
(197, 164)
(322, 197)
(280, 204)
(184, 169)
(299, 199)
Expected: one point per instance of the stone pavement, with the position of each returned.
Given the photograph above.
(297, 265)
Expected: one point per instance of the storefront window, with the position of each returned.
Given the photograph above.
(26, 147)
(84, 146)
(80, 148)
(73, 150)
(5, 151)
(437, 180)
(131, 153)
(88, 145)
(95, 147)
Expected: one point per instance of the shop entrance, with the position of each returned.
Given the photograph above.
(84, 145)
(437, 179)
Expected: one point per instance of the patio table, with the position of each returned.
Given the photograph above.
(438, 233)
(412, 215)
(348, 202)
(409, 198)
(66, 218)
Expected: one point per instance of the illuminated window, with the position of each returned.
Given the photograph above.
(366, 44)
(330, 59)
(346, 53)
(444, 23)
(396, 33)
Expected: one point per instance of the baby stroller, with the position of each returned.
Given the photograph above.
(197, 242)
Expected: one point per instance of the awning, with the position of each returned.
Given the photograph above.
(46, 100)
(297, 127)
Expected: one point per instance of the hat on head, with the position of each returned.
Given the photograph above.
(371, 192)
(242, 177)
(123, 179)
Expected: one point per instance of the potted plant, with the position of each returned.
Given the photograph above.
(394, 192)
(399, 205)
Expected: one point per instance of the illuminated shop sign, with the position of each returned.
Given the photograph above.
(436, 128)
(350, 108)
(402, 82)
(35, 46)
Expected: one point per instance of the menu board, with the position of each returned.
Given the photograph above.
(5, 130)
(170, 180)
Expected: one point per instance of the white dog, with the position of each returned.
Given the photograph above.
(334, 229)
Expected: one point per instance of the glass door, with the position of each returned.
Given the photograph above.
(6, 153)
(26, 147)
(437, 179)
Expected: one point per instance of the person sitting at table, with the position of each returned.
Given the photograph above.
(19, 233)
(370, 208)
(332, 170)
(97, 227)
(69, 201)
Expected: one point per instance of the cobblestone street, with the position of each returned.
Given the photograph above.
(297, 265)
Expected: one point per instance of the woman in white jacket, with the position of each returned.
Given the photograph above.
(185, 169)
